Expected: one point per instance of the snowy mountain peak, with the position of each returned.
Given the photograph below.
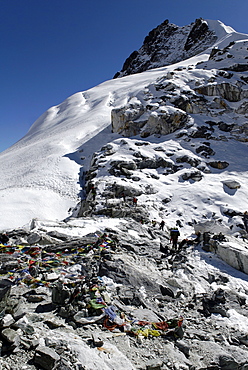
(168, 44)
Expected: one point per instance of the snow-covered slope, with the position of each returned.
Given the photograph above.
(42, 174)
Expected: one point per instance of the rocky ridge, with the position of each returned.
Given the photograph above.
(216, 90)
(169, 44)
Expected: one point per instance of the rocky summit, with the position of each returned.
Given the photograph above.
(168, 44)
(124, 225)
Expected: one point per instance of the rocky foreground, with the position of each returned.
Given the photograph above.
(120, 298)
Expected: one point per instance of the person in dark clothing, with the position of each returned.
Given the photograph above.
(245, 220)
(93, 192)
(4, 238)
(161, 226)
(174, 234)
(198, 238)
(135, 201)
(206, 241)
(184, 244)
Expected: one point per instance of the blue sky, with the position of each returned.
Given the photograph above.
(51, 49)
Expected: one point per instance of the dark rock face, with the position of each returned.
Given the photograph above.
(168, 44)
(198, 32)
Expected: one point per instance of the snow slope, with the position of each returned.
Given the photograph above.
(41, 175)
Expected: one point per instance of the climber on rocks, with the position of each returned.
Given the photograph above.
(123, 197)
(154, 222)
(161, 225)
(174, 234)
(135, 200)
(245, 220)
(4, 238)
(93, 192)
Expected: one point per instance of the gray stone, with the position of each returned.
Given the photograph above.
(33, 238)
(232, 184)
(183, 347)
(192, 175)
(26, 343)
(227, 363)
(63, 312)
(97, 340)
(60, 294)
(7, 321)
(187, 159)
(5, 287)
(155, 364)
(11, 336)
(35, 298)
(53, 323)
(46, 357)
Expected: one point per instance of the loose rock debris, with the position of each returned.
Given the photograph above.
(108, 301)
(66, 282)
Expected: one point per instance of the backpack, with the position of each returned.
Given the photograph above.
(174, 233)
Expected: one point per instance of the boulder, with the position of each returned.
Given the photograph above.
(5, 287)
(183, 347)
(154, 364)
(233, 255)
(164, 122)
(225, 127)
(46, 357)
(228, 363)
(190, 160)
(60, 294)
(232, 184)
(192, 175)
(135, 119)
(11, 336)
(97, 340)
(205, 150)
(7, 321)
(220, 165)
(33, 238)
(201, 132)
(122, 119)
